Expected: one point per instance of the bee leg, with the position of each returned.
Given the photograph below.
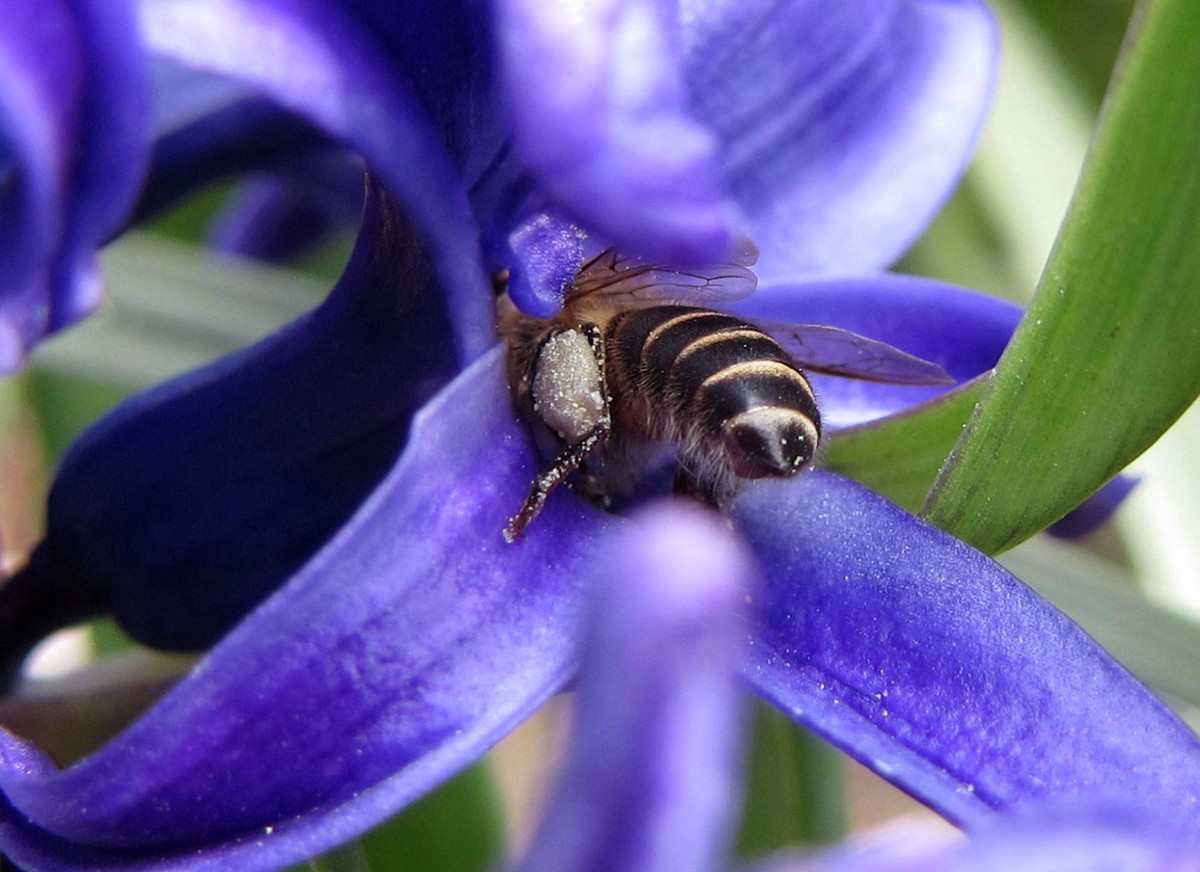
(567, 461)
(573, 455)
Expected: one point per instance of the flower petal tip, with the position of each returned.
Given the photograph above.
(12, 349)
(682, 559)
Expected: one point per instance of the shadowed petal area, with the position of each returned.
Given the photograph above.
(844, 124)
(599, 115)
(942, 672)
(281, 217)
(650, 781)
(1074, 836)
(404, 649)
(74, 143)
(317, 59)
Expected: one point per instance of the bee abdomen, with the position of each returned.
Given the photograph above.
(727, 386)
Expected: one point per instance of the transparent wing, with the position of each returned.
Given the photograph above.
(834, 351)
(629, 283)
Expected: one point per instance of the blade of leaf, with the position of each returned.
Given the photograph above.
(459, 828)
(1108, 355)
(795, 791)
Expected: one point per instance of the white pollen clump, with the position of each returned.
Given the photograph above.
(567, 391)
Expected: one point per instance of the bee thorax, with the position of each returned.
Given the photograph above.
(567, 387)
(770, 442)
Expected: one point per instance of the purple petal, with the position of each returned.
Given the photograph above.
(319, 60)
(844, 125)
(246, 134)
(650, 780)
(278, 218)
(600, 117)
(939, 670)
(963, 331)
(187, 505)
(404, 649)
(74, 142)
(1077, 836)
(1095, 510)
(209, 128)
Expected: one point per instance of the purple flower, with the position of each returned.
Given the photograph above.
(74, 127)
(405, 636)
(632, 118)
(651, 778)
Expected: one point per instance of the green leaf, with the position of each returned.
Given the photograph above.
(457, 828)
(349, 857)
(795, 793)
(1108, 355)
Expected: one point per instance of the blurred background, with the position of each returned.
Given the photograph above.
(175, 302)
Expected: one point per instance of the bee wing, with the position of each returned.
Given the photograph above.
(630, 283)
(834, 351)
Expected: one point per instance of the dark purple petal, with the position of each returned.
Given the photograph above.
(650, 779)
(396, 656)
(278, 218)
(600, 118)
(1075, 836)
(74, 142)
(189, 504)
(942, 672)
(209, 128)
(317, 59)
(247, 134)
(1095, 510)
(844, 125)
(963, 331)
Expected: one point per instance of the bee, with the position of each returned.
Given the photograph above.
(625, 376)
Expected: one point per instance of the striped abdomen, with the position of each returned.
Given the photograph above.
(721, 389)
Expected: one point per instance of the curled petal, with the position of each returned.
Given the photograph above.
(844, 125)
(187, 505)
(600, 116)
(649, 782)
(392, 659)
(320, 61)
(278, 218)
(74, 142)
(245, 134)
(209, 128)
(940, 670)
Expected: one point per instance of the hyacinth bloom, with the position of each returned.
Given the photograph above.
(651, 779)
(406, 636)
